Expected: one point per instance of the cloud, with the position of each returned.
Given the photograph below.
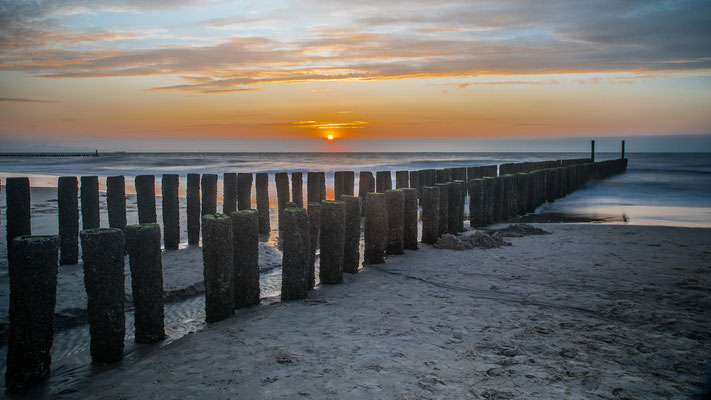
(24, 100)
(377, 41)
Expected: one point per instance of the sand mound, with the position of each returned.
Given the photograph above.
(518, 230)
(479, 240)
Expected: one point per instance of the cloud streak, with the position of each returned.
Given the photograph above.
(24, 100)
(402, 39)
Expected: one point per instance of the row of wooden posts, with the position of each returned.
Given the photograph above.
(230, 240)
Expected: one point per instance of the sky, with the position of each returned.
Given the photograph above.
(375, 75)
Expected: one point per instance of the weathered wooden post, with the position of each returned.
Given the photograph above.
(383, 181)
(415, 182)
(245, 246)
(295, 254)
(622, 155)
(89, 201)
(68, 208)
(476, 202)
(430, 214)
(490, 192)
(145, 260)
(17, 192)
(443, 208)
(116, 201)
(348, 183)
(192, 195)
(297, 189)
(262, 183)
(454, 198)
(229, 189)
(171, 211)
(313, 187)
(102, 253)
(244, 191)
(402, 179)
(498, 198)
(396, 219)
(314, 209)
(337, 185)
(33, 292)
(218, 267)
(282, 189)
(322, 185)
(209, 194)
(366, 184)
(146, 199)
(592, 150)
(508, 197)
(410, 220)
(376, 229)
(333, 217)
(351, 246)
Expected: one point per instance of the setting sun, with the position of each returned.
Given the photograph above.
(329, 137)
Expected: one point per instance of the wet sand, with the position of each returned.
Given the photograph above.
(589, 311)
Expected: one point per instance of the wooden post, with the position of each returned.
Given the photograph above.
(295, 254)
(366, 184)
(171, 211)
(146, 199)
(209, 194)
(476, 202)
(443, 208)
(430, 214)
(376, 229)
(297, 189)
(143, 245)
(245, 246)
(229, 190)
(262, 183)
(396, 219)
(218, 267)
(410, 220)
(383, 181)
(33, 292)
(333, 217)
(351, 246)
(116, 201)
(89, 202)
(102, 253)
(322, 185)
(244, 191)
(348, 183)
(68, 208)
(282, 189)
(454, 198)
(193, 208)
(337, 185)
(623, 150)
(313, 187)
(592, 150)
(402, 179)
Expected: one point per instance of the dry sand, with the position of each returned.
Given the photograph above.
(590, 311)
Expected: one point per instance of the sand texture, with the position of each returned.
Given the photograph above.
(589, 311)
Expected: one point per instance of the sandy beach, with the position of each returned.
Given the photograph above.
(589, 311)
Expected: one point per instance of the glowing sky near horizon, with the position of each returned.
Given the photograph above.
(354, 70)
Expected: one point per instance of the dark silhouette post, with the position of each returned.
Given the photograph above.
(171, 211)
(209, 194)
(476, 202)
(313, 187)
(116, 201)
(297, 189)
(282, 189)
(89, 202)
(68, 208)
(229, 190)
(244, 191)
(351, 247)
(33, 292)
(443, 208)
(366, 184)
(102, 253)
(314, 234)
(262, 183)
(623, 150)
(193, 208)
(143, 245)
(295, 255)
(376, 229)
(383, 181)
(146, 199)
(430, 214)
(333, 218)
(348, 183)
(410, 219)
(337, 185)
(402, 179)
(245, 244)
(396, 219)
(592, 150)
(218, 267)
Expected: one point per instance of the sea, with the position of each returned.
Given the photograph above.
(669, 189)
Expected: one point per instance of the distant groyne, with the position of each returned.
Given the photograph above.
(94, 154)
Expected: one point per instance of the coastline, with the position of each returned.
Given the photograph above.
(610, 311)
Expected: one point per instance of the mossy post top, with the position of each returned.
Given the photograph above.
(100, 231)
(331, 202)
(375, 194)
(408, 189)
(35, 238)
(139, 227)
(244, 212)
(214, 216)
